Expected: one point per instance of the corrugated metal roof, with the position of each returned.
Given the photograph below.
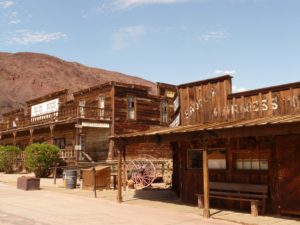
(217, 126)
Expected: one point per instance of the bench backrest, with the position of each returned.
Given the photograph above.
(236, 187)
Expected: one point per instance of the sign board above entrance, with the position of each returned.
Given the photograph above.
(45, 108)
(96, 125)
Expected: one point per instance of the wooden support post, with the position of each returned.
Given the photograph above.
(206, 210)
(95, 182)
(54, 175)
(119, 197)
(254, 208)
(0, 139)
(51, 134)
(31, 136)
(14, 140)
(124, 169)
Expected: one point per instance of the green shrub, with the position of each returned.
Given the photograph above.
(8, 158)
(40, 157)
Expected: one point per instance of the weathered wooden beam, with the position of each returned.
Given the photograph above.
(206, 210)
(51, 134)
(119, 196)
(14, 140)
(261, 130)
(124, 169)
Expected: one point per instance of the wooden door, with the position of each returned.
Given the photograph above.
(288, 156)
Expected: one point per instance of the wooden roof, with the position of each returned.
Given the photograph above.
(217, 126)
(48, 96)
(110, 84)
(265, 90)
(211, 80)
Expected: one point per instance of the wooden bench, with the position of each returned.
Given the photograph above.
(253, 193)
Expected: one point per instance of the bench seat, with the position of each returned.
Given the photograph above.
(255, 194)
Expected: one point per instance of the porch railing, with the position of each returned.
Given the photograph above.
(61, 115)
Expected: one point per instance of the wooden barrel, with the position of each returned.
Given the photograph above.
(71, 179)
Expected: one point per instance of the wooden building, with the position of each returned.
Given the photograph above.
(81, 122)
(250, 138)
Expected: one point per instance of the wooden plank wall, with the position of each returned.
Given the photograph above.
(204, 102)
(147, 110)
(97, 143)
(257, 105)
(191, 180)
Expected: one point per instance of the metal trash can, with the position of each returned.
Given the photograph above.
(71, 179)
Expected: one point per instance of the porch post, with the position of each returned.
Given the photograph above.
(51, 134)
(120, 150)
(31, 136)
(124, 169)
(206, 210)
(14, 140)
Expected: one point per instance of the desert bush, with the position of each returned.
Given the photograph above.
(40, 157)
(8, 158)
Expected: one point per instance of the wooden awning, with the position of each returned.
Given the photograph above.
(275, 125)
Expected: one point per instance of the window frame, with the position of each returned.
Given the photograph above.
(134, 108)
(201, 155)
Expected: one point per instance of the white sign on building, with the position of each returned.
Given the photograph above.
(45, 108)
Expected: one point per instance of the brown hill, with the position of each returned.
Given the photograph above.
(24, 76)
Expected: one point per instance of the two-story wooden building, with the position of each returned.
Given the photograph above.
(80, 123)
(251, 137)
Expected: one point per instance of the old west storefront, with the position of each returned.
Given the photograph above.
(80, 123)
(246, 138)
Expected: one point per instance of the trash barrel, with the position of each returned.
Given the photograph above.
(71, 178)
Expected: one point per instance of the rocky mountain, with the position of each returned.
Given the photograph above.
(24, 76)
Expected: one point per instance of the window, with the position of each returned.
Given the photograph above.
(131, 108)
(164, 111)
(252, 160)
(194, 159)
(82, 142)
(81, 107)
(101, 105)
(216, 159)
(60, 142)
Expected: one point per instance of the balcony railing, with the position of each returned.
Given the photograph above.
(61, 115)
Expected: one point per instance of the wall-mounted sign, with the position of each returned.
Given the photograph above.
(170, 94)
(95, 125)
(45, 108)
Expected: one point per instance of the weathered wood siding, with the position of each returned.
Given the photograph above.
(204, 102)
(147, 110)
(189, 182)
(263, 104)
(97, 143)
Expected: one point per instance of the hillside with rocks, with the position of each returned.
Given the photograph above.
(24, 76)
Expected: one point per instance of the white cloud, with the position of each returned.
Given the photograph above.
(238, 89)
(131, 3)
(26, 37)
(126, 36)
(224, 72)
(213, 36)
(6, 4)
(114, 5)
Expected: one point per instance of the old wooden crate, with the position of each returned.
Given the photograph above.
(28, 183)
(103, 174)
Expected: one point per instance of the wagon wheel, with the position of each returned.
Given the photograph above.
(141, 171)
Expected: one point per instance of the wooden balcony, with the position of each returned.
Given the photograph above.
(65, 114)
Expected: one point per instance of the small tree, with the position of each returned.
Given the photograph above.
(8, 158)
(40, 157)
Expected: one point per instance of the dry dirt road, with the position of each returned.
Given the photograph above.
(43, 207)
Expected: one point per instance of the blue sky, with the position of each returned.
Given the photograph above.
(172, 41)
